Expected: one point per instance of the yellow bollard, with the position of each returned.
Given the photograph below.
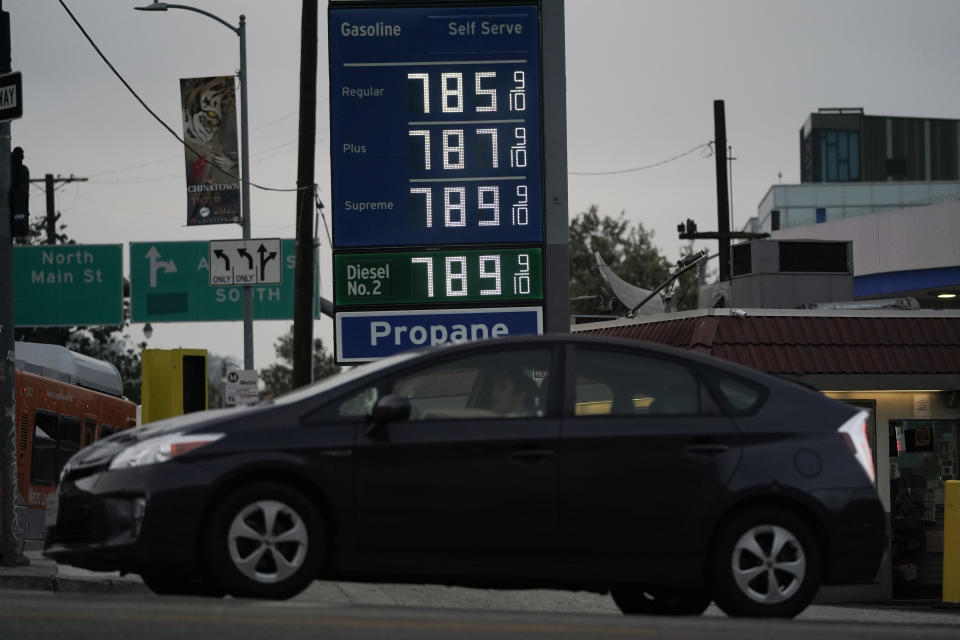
(951, 541)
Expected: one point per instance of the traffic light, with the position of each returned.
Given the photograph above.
(687, 229)
(19, 195)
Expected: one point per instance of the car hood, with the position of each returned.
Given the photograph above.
(103, 451)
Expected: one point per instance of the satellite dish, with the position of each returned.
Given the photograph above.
(629, 295)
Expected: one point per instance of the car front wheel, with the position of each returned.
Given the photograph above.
(766, 563)
(265, 541)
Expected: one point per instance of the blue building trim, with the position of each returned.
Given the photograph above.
(895, 282)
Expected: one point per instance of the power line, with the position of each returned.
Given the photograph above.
(707, 145)
(178, 157)
(151, 111)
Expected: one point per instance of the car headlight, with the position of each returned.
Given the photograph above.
(161, 449)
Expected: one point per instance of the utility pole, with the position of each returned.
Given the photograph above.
(723, 198)
(10, 551)
(688, 230)
(52, 216)
(305, 268)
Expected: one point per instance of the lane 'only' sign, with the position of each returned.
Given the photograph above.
(245, 262)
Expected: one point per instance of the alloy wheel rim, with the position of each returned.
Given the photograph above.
(768, 564)
(267, 541)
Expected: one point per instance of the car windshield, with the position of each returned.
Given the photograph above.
(343, 377)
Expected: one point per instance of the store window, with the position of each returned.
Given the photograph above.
(923, 455)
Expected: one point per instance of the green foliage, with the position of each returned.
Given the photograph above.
(278, 377)
(37, 233)
(627, 249)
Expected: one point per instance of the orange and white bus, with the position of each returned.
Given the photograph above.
(63, 401)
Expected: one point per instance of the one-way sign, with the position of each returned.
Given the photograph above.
(237, 262)
(11, 96)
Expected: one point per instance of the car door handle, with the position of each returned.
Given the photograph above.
(532, 455)
(707, 448)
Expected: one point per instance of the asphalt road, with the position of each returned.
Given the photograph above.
(51, 615)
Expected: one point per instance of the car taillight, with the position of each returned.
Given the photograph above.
(854, 434)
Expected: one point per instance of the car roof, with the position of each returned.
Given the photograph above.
(600, 341)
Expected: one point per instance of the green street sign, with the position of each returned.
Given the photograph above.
(67, 285)
(170, 282)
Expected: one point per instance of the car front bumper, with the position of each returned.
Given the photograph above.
(130, 519)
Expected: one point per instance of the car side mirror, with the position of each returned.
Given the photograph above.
(392, 407)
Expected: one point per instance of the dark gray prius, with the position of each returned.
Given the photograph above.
(666, 478)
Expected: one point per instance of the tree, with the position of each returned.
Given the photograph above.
(627, 249)
(278, 377)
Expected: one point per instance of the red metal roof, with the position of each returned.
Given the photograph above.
(799, 344)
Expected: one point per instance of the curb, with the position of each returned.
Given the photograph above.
(108, 585)
(28, 583)
(71, 585)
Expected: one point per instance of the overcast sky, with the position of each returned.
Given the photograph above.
(641, 80)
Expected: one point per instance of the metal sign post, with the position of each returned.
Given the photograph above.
(10, 533)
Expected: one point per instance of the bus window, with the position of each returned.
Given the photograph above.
(69, 441)
(89, 431)
(43, 462)
(106, 430)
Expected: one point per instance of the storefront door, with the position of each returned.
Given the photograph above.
(923, 455)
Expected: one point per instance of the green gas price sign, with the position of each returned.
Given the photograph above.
(432, 277)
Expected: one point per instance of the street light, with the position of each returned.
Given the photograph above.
(241, 31)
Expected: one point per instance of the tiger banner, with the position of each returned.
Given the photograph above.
(212, 154)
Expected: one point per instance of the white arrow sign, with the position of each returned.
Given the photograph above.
(156, 264)
(254, 261)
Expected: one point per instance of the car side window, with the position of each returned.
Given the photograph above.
(503, 384)
(623, 384)
(353, 406)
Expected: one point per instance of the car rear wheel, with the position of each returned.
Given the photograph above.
(766, 563)
(265, 541)
(641, 601)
